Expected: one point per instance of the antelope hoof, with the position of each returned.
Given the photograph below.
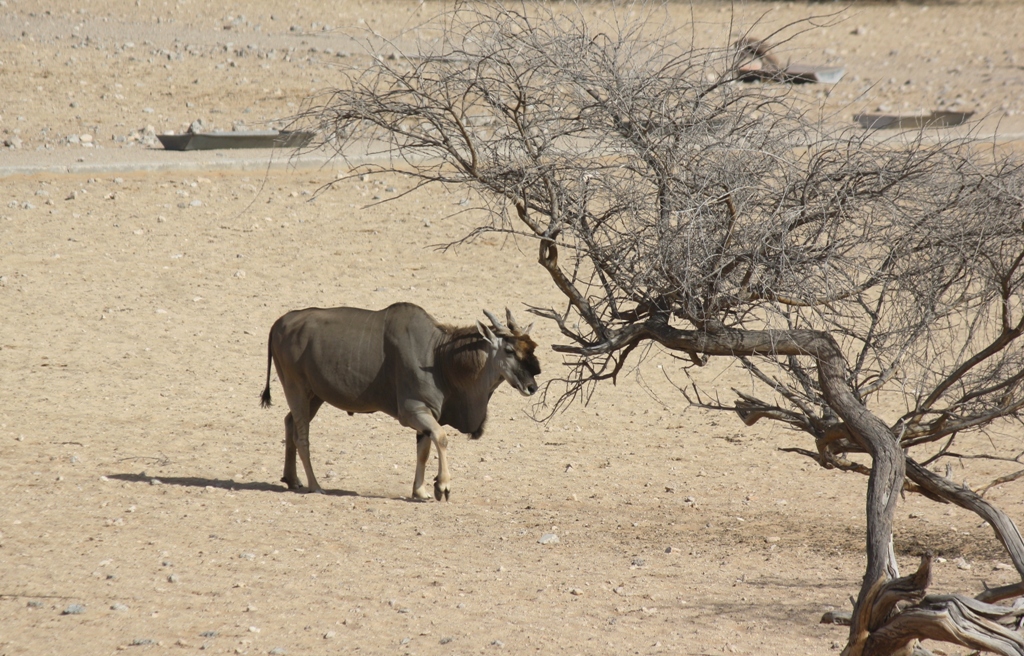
(440, 490)
(292, 485)
(420, 493)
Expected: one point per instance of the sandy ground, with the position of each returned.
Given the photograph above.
(139, 477)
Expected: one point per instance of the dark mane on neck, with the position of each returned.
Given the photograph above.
(463, 354)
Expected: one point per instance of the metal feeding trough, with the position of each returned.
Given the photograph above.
(758, 63)
(793, 73)
(912, 121)
(240, 139)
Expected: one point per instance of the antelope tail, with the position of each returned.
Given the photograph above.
(265, 397)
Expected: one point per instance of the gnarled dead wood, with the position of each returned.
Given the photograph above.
(950, 618)
(895, 614)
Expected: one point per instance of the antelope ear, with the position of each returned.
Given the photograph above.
(486, 333)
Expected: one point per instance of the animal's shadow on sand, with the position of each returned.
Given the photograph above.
(195, 481)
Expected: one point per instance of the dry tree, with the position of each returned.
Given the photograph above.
(673, 206)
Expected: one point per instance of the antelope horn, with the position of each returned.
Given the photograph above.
(517, 330)
(512, 325)
(499, 328)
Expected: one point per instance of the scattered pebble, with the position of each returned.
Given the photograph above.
(548, 538)
(208, 634)
(138, 642)
(277, 651)
(35, 604)
(119, 607)
(74, 609)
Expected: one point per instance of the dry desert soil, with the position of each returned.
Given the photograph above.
(140, 508)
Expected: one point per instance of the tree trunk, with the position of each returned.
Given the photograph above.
(884, 482)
